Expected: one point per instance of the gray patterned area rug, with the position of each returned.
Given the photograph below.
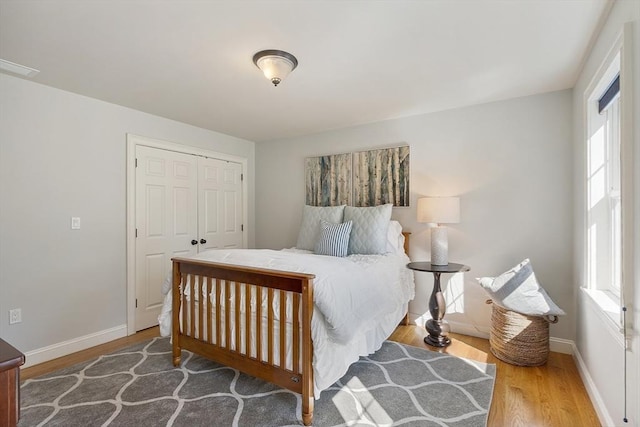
(138, 386)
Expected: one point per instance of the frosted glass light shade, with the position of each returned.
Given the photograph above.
(275, 64)
(439, 210)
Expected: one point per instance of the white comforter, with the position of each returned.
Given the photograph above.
(352, 296)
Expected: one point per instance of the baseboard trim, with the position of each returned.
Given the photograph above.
(592, 390)
(471, 330)
(65, 348)
(558, 345)
(561, 345)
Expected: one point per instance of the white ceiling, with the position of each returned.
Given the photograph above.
(359, 61)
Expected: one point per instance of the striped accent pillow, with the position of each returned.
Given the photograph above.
(334, 238)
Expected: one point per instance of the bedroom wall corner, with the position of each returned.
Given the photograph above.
(63, 155)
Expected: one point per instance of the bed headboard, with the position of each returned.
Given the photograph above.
(406, 235)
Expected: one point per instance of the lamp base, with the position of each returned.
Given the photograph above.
(439, 246)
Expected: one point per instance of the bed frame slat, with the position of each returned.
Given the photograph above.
(208, 311)
(227, 315)
(218, 326)
(185, 317)
(270, 326)
(238, 312)
(201, 303)
(248, 289)
(295, 332)
(192, 310)
(259, 322)
(282, 299)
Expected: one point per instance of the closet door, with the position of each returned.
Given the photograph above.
(166, 223)
(219, 204)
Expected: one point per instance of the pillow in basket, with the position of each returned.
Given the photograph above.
(518, 290)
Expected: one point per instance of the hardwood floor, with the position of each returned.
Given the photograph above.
(550, 395)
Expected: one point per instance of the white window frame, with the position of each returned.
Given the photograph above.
(620, 59)
(613, 194)
(603, 181)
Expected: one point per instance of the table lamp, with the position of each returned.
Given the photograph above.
(439, 210)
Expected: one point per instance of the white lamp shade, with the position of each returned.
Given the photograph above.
(439, 210)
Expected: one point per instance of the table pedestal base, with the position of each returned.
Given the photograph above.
(440, 342)
(438, 333)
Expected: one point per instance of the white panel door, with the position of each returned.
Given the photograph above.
(166, 223)
(219, 204)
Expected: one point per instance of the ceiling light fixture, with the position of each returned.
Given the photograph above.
(275, 64)
(17, 68)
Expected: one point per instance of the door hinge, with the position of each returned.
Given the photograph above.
(136, 302)
(241, 177)
(136, 232)
(136, 162)
(242, 227)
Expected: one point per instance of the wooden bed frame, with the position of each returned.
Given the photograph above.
(198, 328)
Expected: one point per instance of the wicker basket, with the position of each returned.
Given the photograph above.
(519, 339)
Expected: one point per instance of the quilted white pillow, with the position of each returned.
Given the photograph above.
(310, 227)
(518, 290)
(395, 239)
(369, 232)
(334, 238)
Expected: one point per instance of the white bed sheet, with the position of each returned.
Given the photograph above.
(358, 301)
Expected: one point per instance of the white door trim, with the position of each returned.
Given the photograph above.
(132, 142)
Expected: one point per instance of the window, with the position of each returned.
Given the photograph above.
(604, 213)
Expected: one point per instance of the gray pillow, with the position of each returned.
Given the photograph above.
(310, 227)
(369, 230)
(518, 290)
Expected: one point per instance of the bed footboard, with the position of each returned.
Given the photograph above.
(255, 320)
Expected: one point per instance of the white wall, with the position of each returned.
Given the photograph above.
(511, 164)
(599, 343)
(64, 155)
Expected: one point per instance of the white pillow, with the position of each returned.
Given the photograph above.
(310, 227)
(370, 226)
(334, 238)
(518, 290)
(395, 239)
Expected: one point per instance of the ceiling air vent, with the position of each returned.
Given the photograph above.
(17, 68)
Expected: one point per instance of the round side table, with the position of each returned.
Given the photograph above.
(437, 328)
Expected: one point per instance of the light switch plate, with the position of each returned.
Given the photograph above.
(15, 316)
(75, 223)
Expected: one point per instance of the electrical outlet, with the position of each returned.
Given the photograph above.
(15, 316)
(75, 223)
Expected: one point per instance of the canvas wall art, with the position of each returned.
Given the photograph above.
(381, 176)
(328, 180)
(365, 178)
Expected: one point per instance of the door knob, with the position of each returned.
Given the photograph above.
(203, 241)
(194, 242)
